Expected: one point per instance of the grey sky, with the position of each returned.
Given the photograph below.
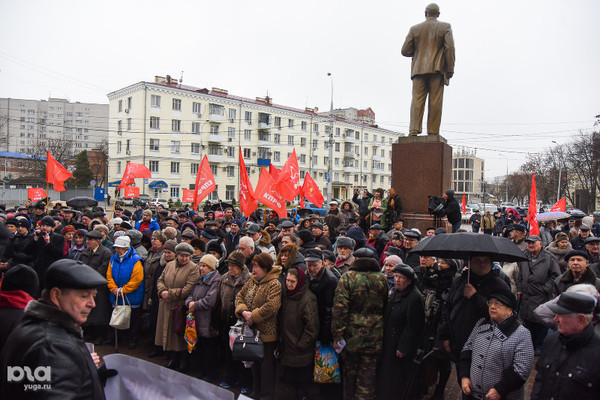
(526, 71)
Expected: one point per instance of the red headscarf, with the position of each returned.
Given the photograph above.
(300, 284)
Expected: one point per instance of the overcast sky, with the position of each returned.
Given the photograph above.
(526, 71)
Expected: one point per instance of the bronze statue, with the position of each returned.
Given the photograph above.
(431, 46)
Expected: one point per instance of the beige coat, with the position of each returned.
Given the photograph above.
(178, 281)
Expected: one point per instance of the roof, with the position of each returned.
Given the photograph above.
(20, 155)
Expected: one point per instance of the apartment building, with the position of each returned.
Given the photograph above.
(169, 127)
(468, 175)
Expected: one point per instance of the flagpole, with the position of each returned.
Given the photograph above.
(47, 197)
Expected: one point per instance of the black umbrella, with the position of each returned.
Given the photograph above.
(218, 206)
(575, 213)
(463, 245)
(81, 202)
(303, 212)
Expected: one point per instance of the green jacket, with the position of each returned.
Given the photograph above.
(384, 205)
(358, 304)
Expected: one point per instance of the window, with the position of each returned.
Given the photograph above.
(229, 192)
(154, 123)
(176, 125)
(366, 137)
(215, 150)
(120, 127)
(315, 144)
(355, 178)
(194, 169)
(302, 159)
(176, 104)
(315, 160)
(337, 146)
(357, 135)
(155, 100)
(232, 115)
(290, 123)
(154, 144)
(337, 132)
(118, 147)
(336, 162)
(263, 136)
(118, 167)
(231, 133)
(214, 129)
(381, 179)
(303, 126)
(247, 134)
(302, 142)
(214, 170)
(326, 161)
(129, 103)
(366, 151)
(216, 109)
(230, 171)
(174, 167)
(175, 146)
(365, 164)
(231, 152)
(175, 192)
(153, 166)
(382, 153)
(277, 138)
(316, 127)
(277, 122)
(197, 108)
(263, 152)
(128, 124)
(290, 140)
(120, 106)
(264, 118)
(195, 127)
(277, 156)
(247, 153)
(128, 147)
(214, 196)
(302, 174)
(195, 148)
(248, 117)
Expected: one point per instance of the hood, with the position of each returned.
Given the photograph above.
(357, 234)
(351, 209)
(265, 239)
(291, 259)
(272, 274)
(135, 236)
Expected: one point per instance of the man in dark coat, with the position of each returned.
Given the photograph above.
(568, 367)
(362, 201)
(411, 239)
(403, 326)
(322, 283)
(46, 247)
(467, 303)
(19, 242)
(579, 271)
(48, 341)
(319, 237)
(452, 210)
(381, 238)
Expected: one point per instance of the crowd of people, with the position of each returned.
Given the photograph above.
(347, 279)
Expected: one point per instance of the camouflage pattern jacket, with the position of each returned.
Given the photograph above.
(358, 304)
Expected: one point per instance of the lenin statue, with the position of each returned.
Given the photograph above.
(431, 46)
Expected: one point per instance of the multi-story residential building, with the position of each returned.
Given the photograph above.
(33, 125)
(169, 127)
(468, 175)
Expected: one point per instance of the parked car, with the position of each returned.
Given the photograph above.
(313, 208)
(121, 201)
(159, 202)
(467, 215)
(142, 199)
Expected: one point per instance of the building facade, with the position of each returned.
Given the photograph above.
(169, 128)
(468, 175)
(32, 126)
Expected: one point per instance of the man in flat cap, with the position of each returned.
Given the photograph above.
(46, 247)
(568, 367)
(579, 271)
(431, 46)
(47, 350)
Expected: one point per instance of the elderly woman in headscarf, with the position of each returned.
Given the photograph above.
(498, 356)
(78, 244)
(559, 248)
(389, 264)
(201, 302)
(403, 326)
(174, 286)
(299, 327)
(68, 232)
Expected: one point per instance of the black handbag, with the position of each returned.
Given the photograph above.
(248, 346)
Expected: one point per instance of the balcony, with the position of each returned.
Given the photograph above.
(215, 138)
(215, 158)
(216, 118)
(350, 153)
(264, 139)
(264, 125)
(376, 157)
(351, 169)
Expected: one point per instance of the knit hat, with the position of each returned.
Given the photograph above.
(67, 229)
(184, 248)
(305, 235)
(122, 242)
(48, 221)
(394, 260)
(170, 245)
(209, 260)
(264, 260)
(148, 212)
(237, 258)
(21, 277)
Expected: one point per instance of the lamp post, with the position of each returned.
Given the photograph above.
(559, 176)
(330, 168)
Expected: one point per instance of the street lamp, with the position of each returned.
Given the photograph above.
(559, 175)
(330, 168)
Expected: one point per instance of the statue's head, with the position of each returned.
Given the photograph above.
(432, 10)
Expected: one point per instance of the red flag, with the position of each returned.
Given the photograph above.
(56, 174)
(131, 192)
(560, 205)
(464, 205)
(132, 171)
(311, 191)
(205, 182)
(274, 172)
(267, 194)
(534, 229)
(188, 195)
(247, 201)
(288, 182)
(35, 194)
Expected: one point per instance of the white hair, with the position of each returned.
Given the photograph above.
(247, 241)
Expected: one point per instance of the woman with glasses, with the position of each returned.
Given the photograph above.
(497, 358)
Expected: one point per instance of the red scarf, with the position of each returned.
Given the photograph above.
(300, 284)
(14, 299)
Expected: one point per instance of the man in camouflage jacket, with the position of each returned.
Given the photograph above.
(358, 304)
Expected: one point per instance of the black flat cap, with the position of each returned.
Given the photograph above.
(505, 296)
(317, 225)
(126, 225)
(393, 251)
(253, 228)
(364, 252)
(573, 303)
(412, 234)
(287, 224)
(313, 255)
(94, 235)
(591, 239)
(518, 227)
(405, 270)
(71, 274)
(581, 253)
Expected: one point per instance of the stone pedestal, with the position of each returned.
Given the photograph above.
(421, 166)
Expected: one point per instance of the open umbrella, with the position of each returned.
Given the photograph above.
(81, 202)
(220, 206)
(463, 245)
(575, 213)
(552, 215)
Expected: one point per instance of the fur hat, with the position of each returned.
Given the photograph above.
(264, 260)
(237, 258)
(170, 245)
(344, 241)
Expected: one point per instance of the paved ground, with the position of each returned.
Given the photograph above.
(452, 391)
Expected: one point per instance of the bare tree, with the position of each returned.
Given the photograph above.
(61, 150)
(4, 131)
